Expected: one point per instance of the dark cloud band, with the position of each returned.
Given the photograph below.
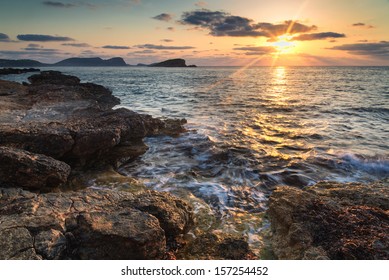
(58, 4)
(380, 49)
(162, 47)
(43, 38)
(116, 47)
(318, 36)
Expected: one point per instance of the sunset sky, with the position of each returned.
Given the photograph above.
(206, 33)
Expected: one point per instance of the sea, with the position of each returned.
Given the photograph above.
(250, 130)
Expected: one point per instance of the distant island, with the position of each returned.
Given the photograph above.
(90, 62)
(178, 62)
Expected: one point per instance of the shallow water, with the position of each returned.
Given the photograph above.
(252, 129)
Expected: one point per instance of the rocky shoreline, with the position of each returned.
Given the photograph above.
(331, 221)
(54, 129)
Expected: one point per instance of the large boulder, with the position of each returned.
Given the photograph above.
(331, 221)
(19, 168)
(90, 224)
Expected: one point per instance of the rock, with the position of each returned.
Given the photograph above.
(9, 71)
(73, 122)
(331, 221)
(90, 224)
(178, 62)
(31, 171)
(209, 246)
(91, 62)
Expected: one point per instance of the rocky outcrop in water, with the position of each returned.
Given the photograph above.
(60, 117)
(90, 224)
(331, 221)
(54, 130)
(178, 62)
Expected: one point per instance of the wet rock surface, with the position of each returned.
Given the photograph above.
(90, 224)
(331, 221)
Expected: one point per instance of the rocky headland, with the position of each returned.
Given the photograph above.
(52, 131)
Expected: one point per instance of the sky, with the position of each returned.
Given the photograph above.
(205, 33)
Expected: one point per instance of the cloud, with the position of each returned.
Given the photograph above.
(43, 38)
(171, 29)
(361, 24)
(161, 47)
(201, 4)
(167, 40)
(380, 49)
(256, 50)
(41, 50)
(116, 47)
(318, 36)
(164, 17)
(220, 23)
(77, 45)
(4, 38)
(143, 52)
(55, 4)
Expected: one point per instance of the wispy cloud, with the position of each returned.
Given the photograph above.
(56, 4)
(43, 38)
(77, 45)
(220, 23)
(167, 40)
(380, 49)
(363, 25)
(318, 36)
(261, 50)
(116, 47)
(162, 47)
(201, 4)
(164, 17)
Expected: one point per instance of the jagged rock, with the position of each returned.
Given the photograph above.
(31, 171)
(331, 221)
(73, 122)
(90, 224)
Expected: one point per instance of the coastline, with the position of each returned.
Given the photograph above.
(65, 128)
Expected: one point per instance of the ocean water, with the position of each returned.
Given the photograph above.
(252, 129)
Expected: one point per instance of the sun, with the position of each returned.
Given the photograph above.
(283, 44)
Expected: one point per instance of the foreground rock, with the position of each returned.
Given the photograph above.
(331, 221)
(74, 122)
(91, 224)
(19, 168)
(210, 246)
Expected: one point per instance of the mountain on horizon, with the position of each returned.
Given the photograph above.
(73, 62)
(90, 62)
